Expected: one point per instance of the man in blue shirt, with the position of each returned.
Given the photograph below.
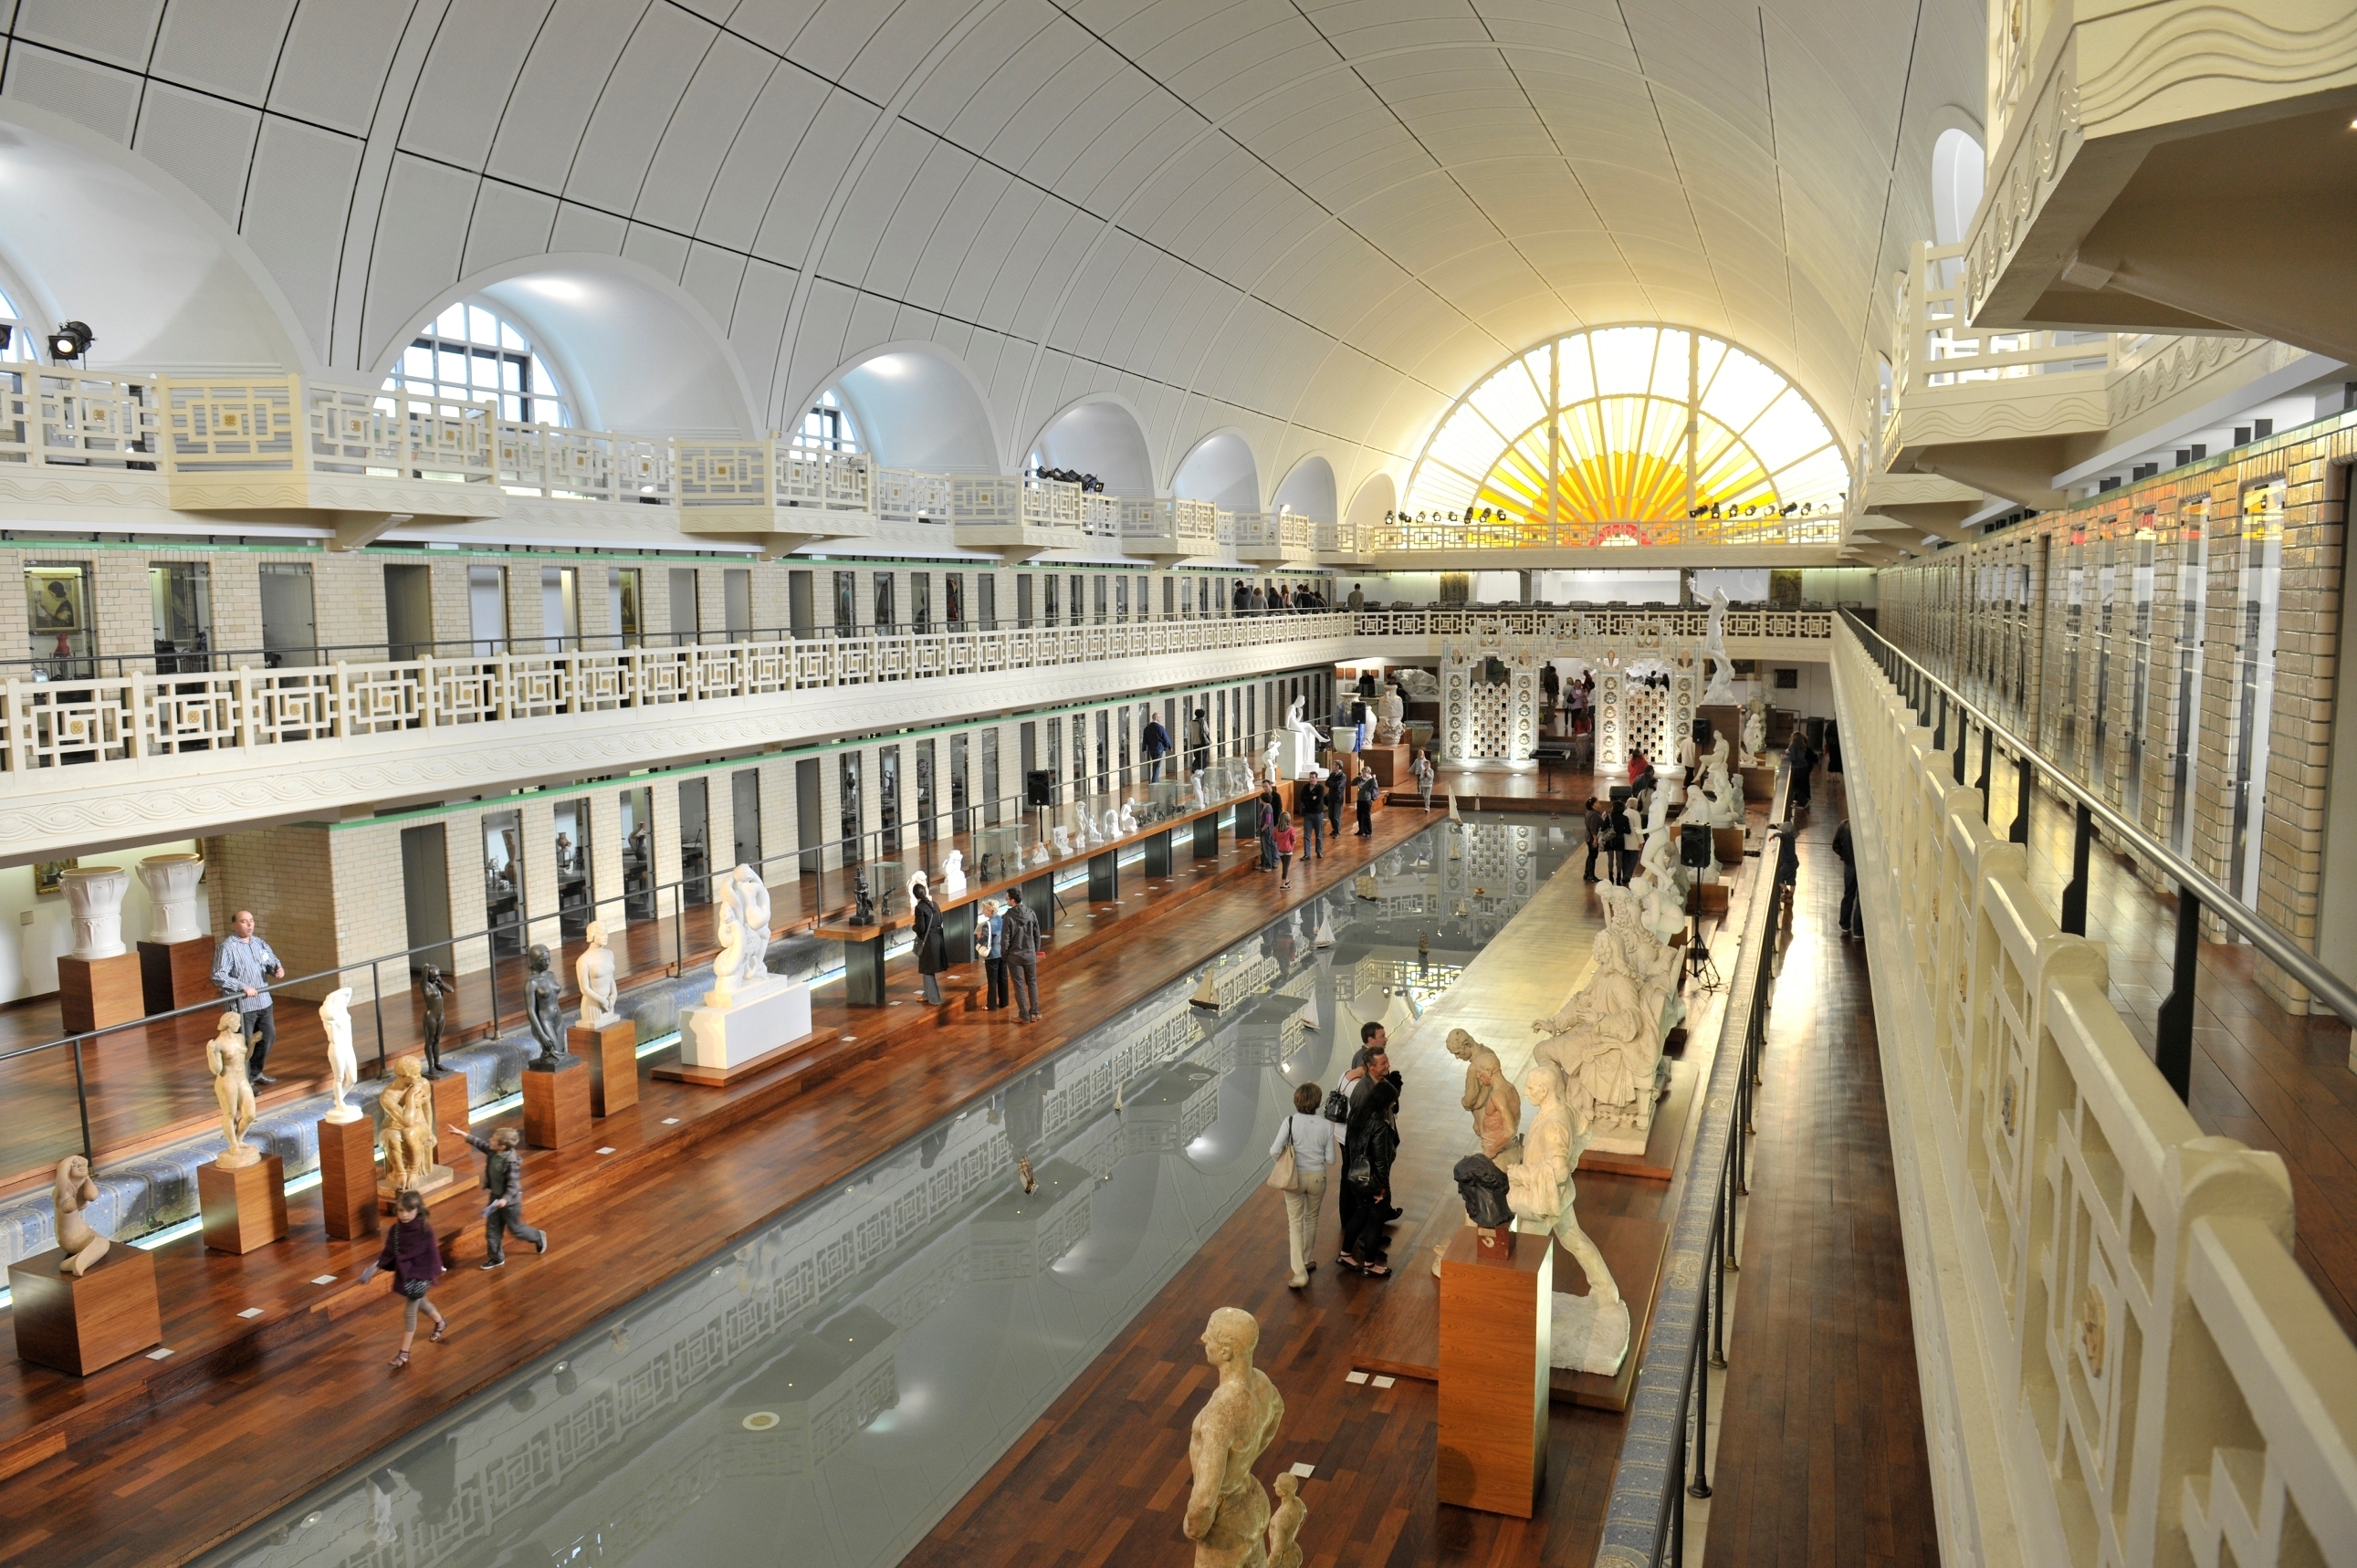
(243, 967)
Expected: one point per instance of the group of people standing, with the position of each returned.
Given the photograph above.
(1253, 598)
(1356, 1127)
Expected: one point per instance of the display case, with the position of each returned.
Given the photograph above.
(998, 851)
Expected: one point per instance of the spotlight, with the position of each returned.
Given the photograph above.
(71, 340)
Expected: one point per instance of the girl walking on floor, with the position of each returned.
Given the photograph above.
(416, 1259)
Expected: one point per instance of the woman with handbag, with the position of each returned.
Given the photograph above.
(933, 948)
(1305, 1147)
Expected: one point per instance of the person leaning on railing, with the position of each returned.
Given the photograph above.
(243, 967)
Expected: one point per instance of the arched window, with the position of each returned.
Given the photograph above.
(1612, 431)
(24, 338)
(1958, 165)
(470, 354)
(827, 427)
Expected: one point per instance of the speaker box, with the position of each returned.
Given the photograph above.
(1695, 845)
(1039, 787)
(1702, 734)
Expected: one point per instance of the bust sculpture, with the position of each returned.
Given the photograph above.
(541, 1011)
(1483, 1187)
(73, 1192)
(594, 971)
(225, 1055)
(1227, 1511)
(1285, 1523)
(1128, 820)
(407, 1136)
(745, 930)
(1489, 1096)
(1539, 1190)
(434, 988)
(343, 1067)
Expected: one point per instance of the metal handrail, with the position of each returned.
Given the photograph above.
(2278, 945)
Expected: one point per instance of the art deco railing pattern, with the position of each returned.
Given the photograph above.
(2163, 1373)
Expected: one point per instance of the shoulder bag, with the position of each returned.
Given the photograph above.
(1286, 1176)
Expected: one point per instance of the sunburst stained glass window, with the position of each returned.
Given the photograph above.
(1631, 435)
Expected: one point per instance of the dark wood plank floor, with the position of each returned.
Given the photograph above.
(215, 1453)
(1822, 1457)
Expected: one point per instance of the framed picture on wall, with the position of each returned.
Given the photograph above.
(49, 876)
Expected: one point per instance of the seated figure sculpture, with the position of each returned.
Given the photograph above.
(1606, 1040)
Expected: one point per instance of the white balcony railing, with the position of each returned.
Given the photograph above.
(2124, 1313)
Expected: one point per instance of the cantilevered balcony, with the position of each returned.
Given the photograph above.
(2039, 416)
(2155, 162)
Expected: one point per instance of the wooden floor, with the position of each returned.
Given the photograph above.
(210, 1445)
(2273, 1079)
(1821, 1457)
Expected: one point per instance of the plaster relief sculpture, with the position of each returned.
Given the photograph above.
(1039, 855)
(70, 1194)
(225, 1055)
(953, 873)
(1227, 1511)
(1489, 1096)
(1128, 820)
(541, 1011)
(434, 988)
(594, 971)
(1590, 1332)
(343, 1067)
(1285, 1523)
(745, 930)
(94, 901)
(1721, 689)
(1419, 685)
(407, 1135)
(171, 883)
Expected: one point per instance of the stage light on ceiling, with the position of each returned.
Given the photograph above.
(71, 340)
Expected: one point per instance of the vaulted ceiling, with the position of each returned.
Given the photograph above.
(1316, 222)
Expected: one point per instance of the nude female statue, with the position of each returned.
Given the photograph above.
(1227, 1512)
(595, 971)
(343, 1067)
(408, 1134)
(73, 1192)
(225, 1055)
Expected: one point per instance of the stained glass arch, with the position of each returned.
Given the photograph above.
(1632, 435)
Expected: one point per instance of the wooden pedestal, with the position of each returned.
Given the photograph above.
(450, 1109)
(557, 1106)
(78, 1325)
(177, 974)
(1727, 844)
(676, 1071)
(1759, 783)
(98, 992)
(347, 1177)
(612, 1053)
(244, 1208)
(1496, 1315)
(1389, 764)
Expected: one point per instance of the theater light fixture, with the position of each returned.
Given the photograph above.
(71, 340)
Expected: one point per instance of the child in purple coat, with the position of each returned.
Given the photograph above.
(416, 1259)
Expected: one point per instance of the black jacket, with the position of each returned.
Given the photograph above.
(931, 954)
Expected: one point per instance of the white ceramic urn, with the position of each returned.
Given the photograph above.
(94, 899)
(171, 882)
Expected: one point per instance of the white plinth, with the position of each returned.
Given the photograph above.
(1584, 1338)
(755, 1019)
(1295, 753)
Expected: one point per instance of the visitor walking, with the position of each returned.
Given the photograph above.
(1368, 790)
(416, 1259)
(1309, 800)
(1154, 744)
(1315, 1143)
(1422, 772)
(503, 1155)
(932, 947)
(990, 942)
(1288, 844)
(1853, 920)
(1021, 939)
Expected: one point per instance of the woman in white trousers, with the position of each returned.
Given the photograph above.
(1317, 1144)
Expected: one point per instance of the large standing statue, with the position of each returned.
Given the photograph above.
(1539, 1190)
(745, 931)
(1227, 1512)
(546, 1016)
(343, 1067)
(73, 1192)
(407, 1135)
(595, 971)
(1721, 689)
(1489, 1095)
(436, 988)
(225, 1055)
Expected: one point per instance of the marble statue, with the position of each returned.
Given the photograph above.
(171, 882)
(1039, 855)
(1285, 1523)
(343, 1067)
(1091, 836)
(953, 873)
(225, 1055)
(1755, 737)
(1592, 1332)
(1390, 716)
(70, 1194)
(1203, 797)
(1489, 1096)
(434, 989)
(1606, 1040)
(1722, 803)
(1419, 685)
(1483, 1185)
(1061, 837)
(1721, 689)
(862, 911)
(541, 1011)
(1309, 741)
(407, 1136)
(745, 932)
(1227, 1512)
(594, 971)
(1268, 761)
(1128, 819)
